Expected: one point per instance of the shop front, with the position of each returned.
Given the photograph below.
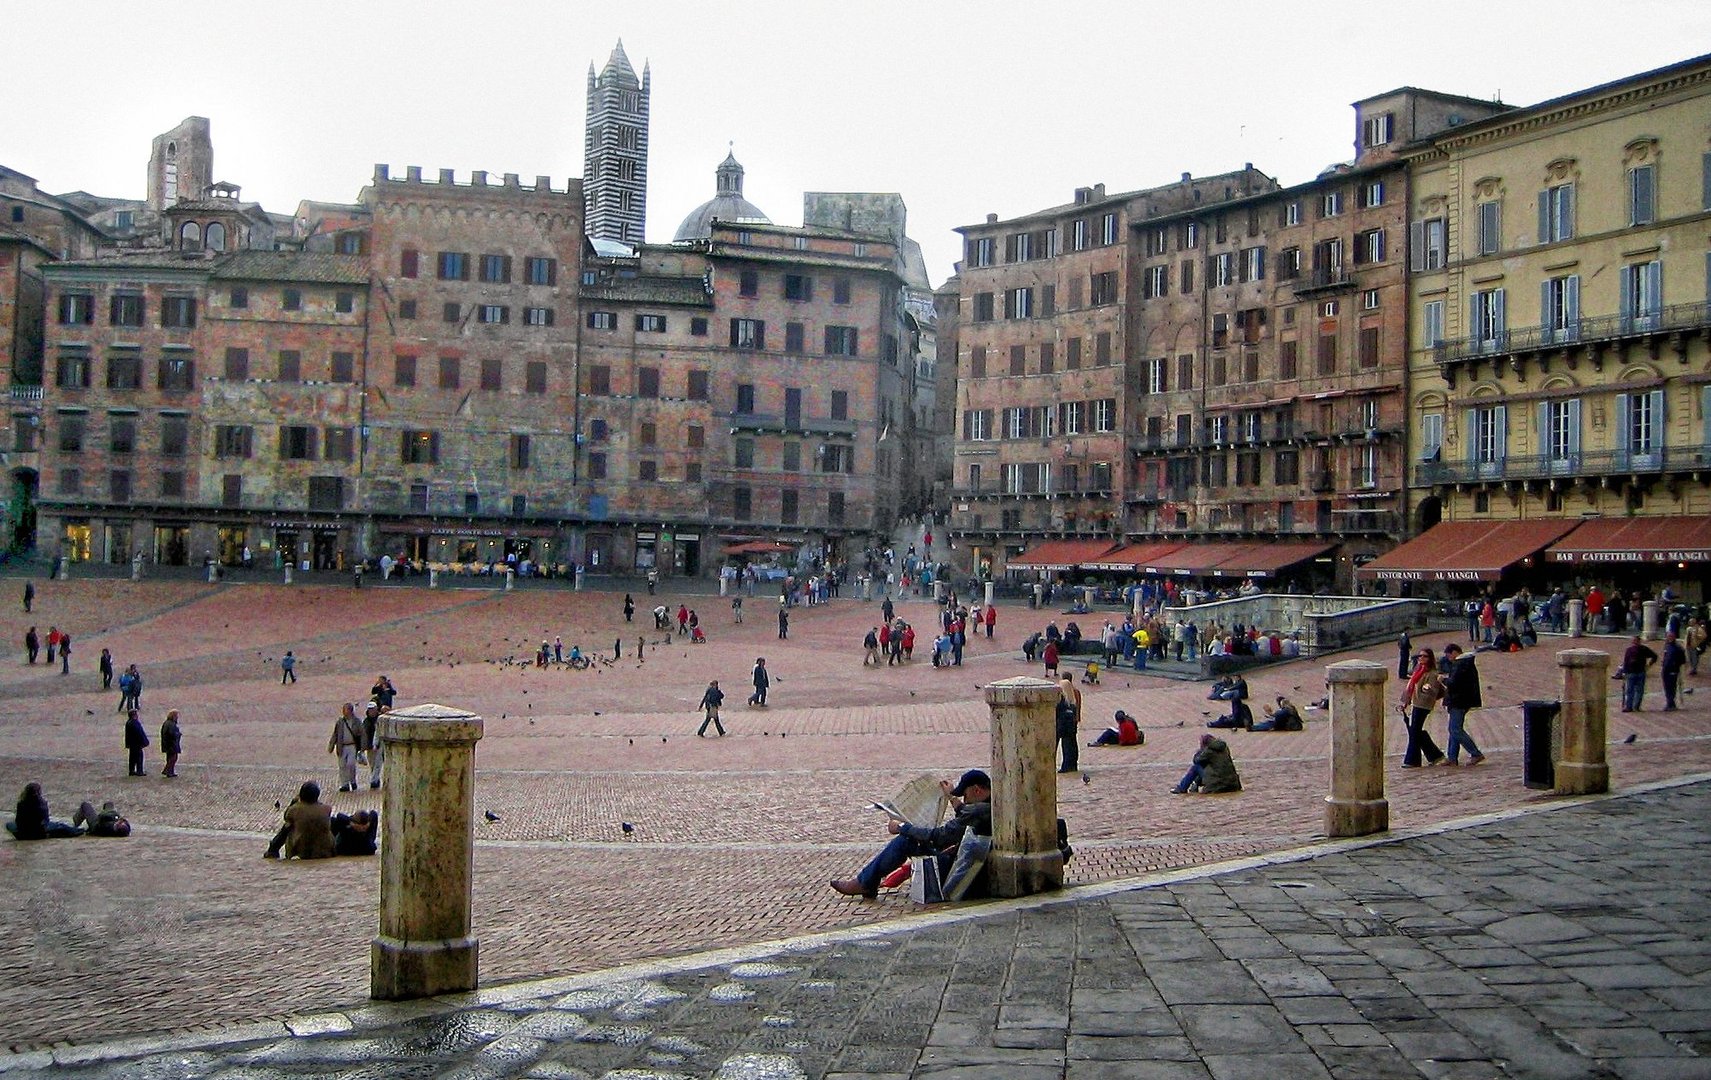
(471, 549)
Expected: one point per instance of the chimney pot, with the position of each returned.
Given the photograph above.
(446, 177)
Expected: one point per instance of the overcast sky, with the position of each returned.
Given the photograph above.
(964, 108)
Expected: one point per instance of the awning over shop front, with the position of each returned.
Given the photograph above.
(1235, 559)
(1061, 555)
(1636, 540)
(760, 547)
(1132, 558)
(1466, 550)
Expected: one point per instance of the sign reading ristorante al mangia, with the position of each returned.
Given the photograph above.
(1659, 555)
(1433, 575)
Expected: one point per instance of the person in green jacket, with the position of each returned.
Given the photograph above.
(1213, 771)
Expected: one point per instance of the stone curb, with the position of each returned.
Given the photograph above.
(379, 1013)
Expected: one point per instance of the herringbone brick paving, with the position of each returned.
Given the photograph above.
(183, 924)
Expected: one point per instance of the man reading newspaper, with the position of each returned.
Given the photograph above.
(971, 798)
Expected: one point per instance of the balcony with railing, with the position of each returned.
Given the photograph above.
(1591, 463)
(776, 422)
(1325, 281)
(1591, 334)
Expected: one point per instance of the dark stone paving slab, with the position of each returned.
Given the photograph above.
(1359, 977)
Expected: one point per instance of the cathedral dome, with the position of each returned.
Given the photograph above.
(727, 205)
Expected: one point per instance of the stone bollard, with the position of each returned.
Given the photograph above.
(1577, 618)
(1583, 769)
(433, 578)
(1356, 805)
(510, 579)
(1039, 596)
(1025, 858)
(577, 586)
(1087, 592)
(64, 569)
(724, 584)
(986, 594)
(426, 945)
(136, 569)
(287, 573)
(938, 592)
(213, 573)
(1649, 622)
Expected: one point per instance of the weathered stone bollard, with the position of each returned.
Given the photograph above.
(1583, 769)
(1087, 592)
(1356, 805)
(1025, 858)
(213, 573)
(427, 855)
(137, 568)
(938, 592)
(1650, 623)
(510, 579)
(577, 583)
(986, 594)
(1577, 618)
(64, 568)
(433, 578)
(288, 573)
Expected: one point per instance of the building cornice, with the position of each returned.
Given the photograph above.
(1576, 107)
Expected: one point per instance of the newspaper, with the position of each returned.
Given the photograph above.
(921, 802)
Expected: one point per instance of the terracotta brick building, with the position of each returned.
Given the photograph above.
(750, 384)
(1044, 366)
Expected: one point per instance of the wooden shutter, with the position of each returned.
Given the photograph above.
(1565, 213)
(1416, 246)
(1545, 216)
(1574, 427)
(1542, 431)
(1705, 398)
(1660, 420)
(1624, 428)
(1500, 437)
(1571, 305)
(1653, 290)
(1470, 435)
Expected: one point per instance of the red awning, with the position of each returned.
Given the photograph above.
(759, 547)
(1264, 560)
(1466, 550)
(1251, 559)
(1193, 559)
(1061, 554)
(1636, 540)
(1133, 557)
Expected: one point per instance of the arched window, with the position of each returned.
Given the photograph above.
(190, 236)
(216, 236)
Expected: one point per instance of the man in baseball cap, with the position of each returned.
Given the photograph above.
(971, 798)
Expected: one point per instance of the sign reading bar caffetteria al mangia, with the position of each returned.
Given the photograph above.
(1653, 555)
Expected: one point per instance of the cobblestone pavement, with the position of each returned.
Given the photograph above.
(182, 925)
(1566, 943)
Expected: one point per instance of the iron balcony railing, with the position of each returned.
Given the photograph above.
(1578, 332)
(1666, 459)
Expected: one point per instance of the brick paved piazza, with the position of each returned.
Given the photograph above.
(183, 924)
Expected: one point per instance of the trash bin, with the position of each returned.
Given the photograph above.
(1538, 751)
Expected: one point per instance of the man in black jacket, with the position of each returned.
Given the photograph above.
(972, 800)
(1461, 694)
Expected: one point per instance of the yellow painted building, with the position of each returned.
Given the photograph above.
(1560, 308)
